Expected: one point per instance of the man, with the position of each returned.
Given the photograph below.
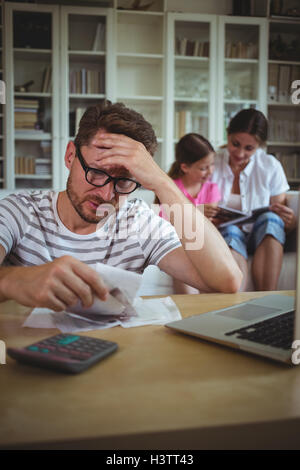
(49, 241)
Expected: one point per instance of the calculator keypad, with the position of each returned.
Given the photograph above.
(75, 347)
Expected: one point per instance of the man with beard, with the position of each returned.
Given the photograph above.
(49, 241)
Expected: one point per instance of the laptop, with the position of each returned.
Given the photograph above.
(265, 326)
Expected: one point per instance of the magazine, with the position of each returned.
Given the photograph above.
(236, 217)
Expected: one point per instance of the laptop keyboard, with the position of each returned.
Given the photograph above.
(277, 331)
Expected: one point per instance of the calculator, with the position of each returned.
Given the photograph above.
(64, 352)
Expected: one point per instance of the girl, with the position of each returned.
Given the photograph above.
(192, 171)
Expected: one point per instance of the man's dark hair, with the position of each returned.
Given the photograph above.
(118, 119)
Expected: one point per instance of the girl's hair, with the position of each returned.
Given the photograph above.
(190, 148)
(250, 121)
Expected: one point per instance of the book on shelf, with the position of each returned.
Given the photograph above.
(86, 81)
(186, 121)
(24, 165)
(79, 112)
(234, 216)
(191, 48)
(99, 39)
(284, 83)
(241, 50)
(42, 168)
(47, 79)
(273, 82)
(280, 81)
(290, 163)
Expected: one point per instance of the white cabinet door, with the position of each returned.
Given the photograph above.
(191, 78)
(85, 66)
(242, 68)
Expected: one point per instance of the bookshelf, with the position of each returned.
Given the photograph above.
(191, 63)
(31, 60)
(242, 57)
(186, 66)
(3, 99)
(283, 70)
(85, 35)
(139, 65)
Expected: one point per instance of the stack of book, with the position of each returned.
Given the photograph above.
(86, 81)
(42, 168)
(25, 165)
(26, 114)
(192, 48)
(241, 50)
(187, 121)
(290, 163)
(281, 78)
(284, 129)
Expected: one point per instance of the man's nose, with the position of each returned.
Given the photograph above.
(108, 191)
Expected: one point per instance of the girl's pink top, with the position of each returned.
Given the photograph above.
(208, 193)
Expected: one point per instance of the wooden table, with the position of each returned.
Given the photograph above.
(161, 390)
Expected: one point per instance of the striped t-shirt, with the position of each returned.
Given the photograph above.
(32, 234)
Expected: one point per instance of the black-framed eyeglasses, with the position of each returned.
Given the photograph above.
(100, 178)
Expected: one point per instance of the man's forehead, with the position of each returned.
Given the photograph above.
(113, 170)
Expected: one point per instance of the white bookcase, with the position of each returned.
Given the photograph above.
(242, 68)
(3, 99)
(184, 71)
(86, 36)
(32, 155)
(140, 67)
(191, 62)
(283, 69)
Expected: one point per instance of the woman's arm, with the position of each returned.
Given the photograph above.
(278, 205)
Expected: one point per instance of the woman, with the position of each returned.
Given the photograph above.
(250, 178)
(191, 171)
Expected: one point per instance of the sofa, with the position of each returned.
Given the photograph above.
(156, 282)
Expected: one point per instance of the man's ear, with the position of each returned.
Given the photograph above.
(70, 155)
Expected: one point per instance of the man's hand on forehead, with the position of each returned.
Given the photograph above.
(120, 150)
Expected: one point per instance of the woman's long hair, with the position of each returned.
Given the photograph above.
(251, 121)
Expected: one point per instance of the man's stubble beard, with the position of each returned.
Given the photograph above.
(77, 204)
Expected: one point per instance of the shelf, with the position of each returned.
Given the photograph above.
(33, 177)
(191, 58)
(240, 101)
(33, 94)
(283, 144)
(284, 19)
(139, 59)
(241, 61)
(284, 62)
(86, 96)
(32, 54)
(140, 98)
(46, 161)
(293, 180)
(87, 53)
(281, 105)
(29, 136)
(188, 99)
(140, 13)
